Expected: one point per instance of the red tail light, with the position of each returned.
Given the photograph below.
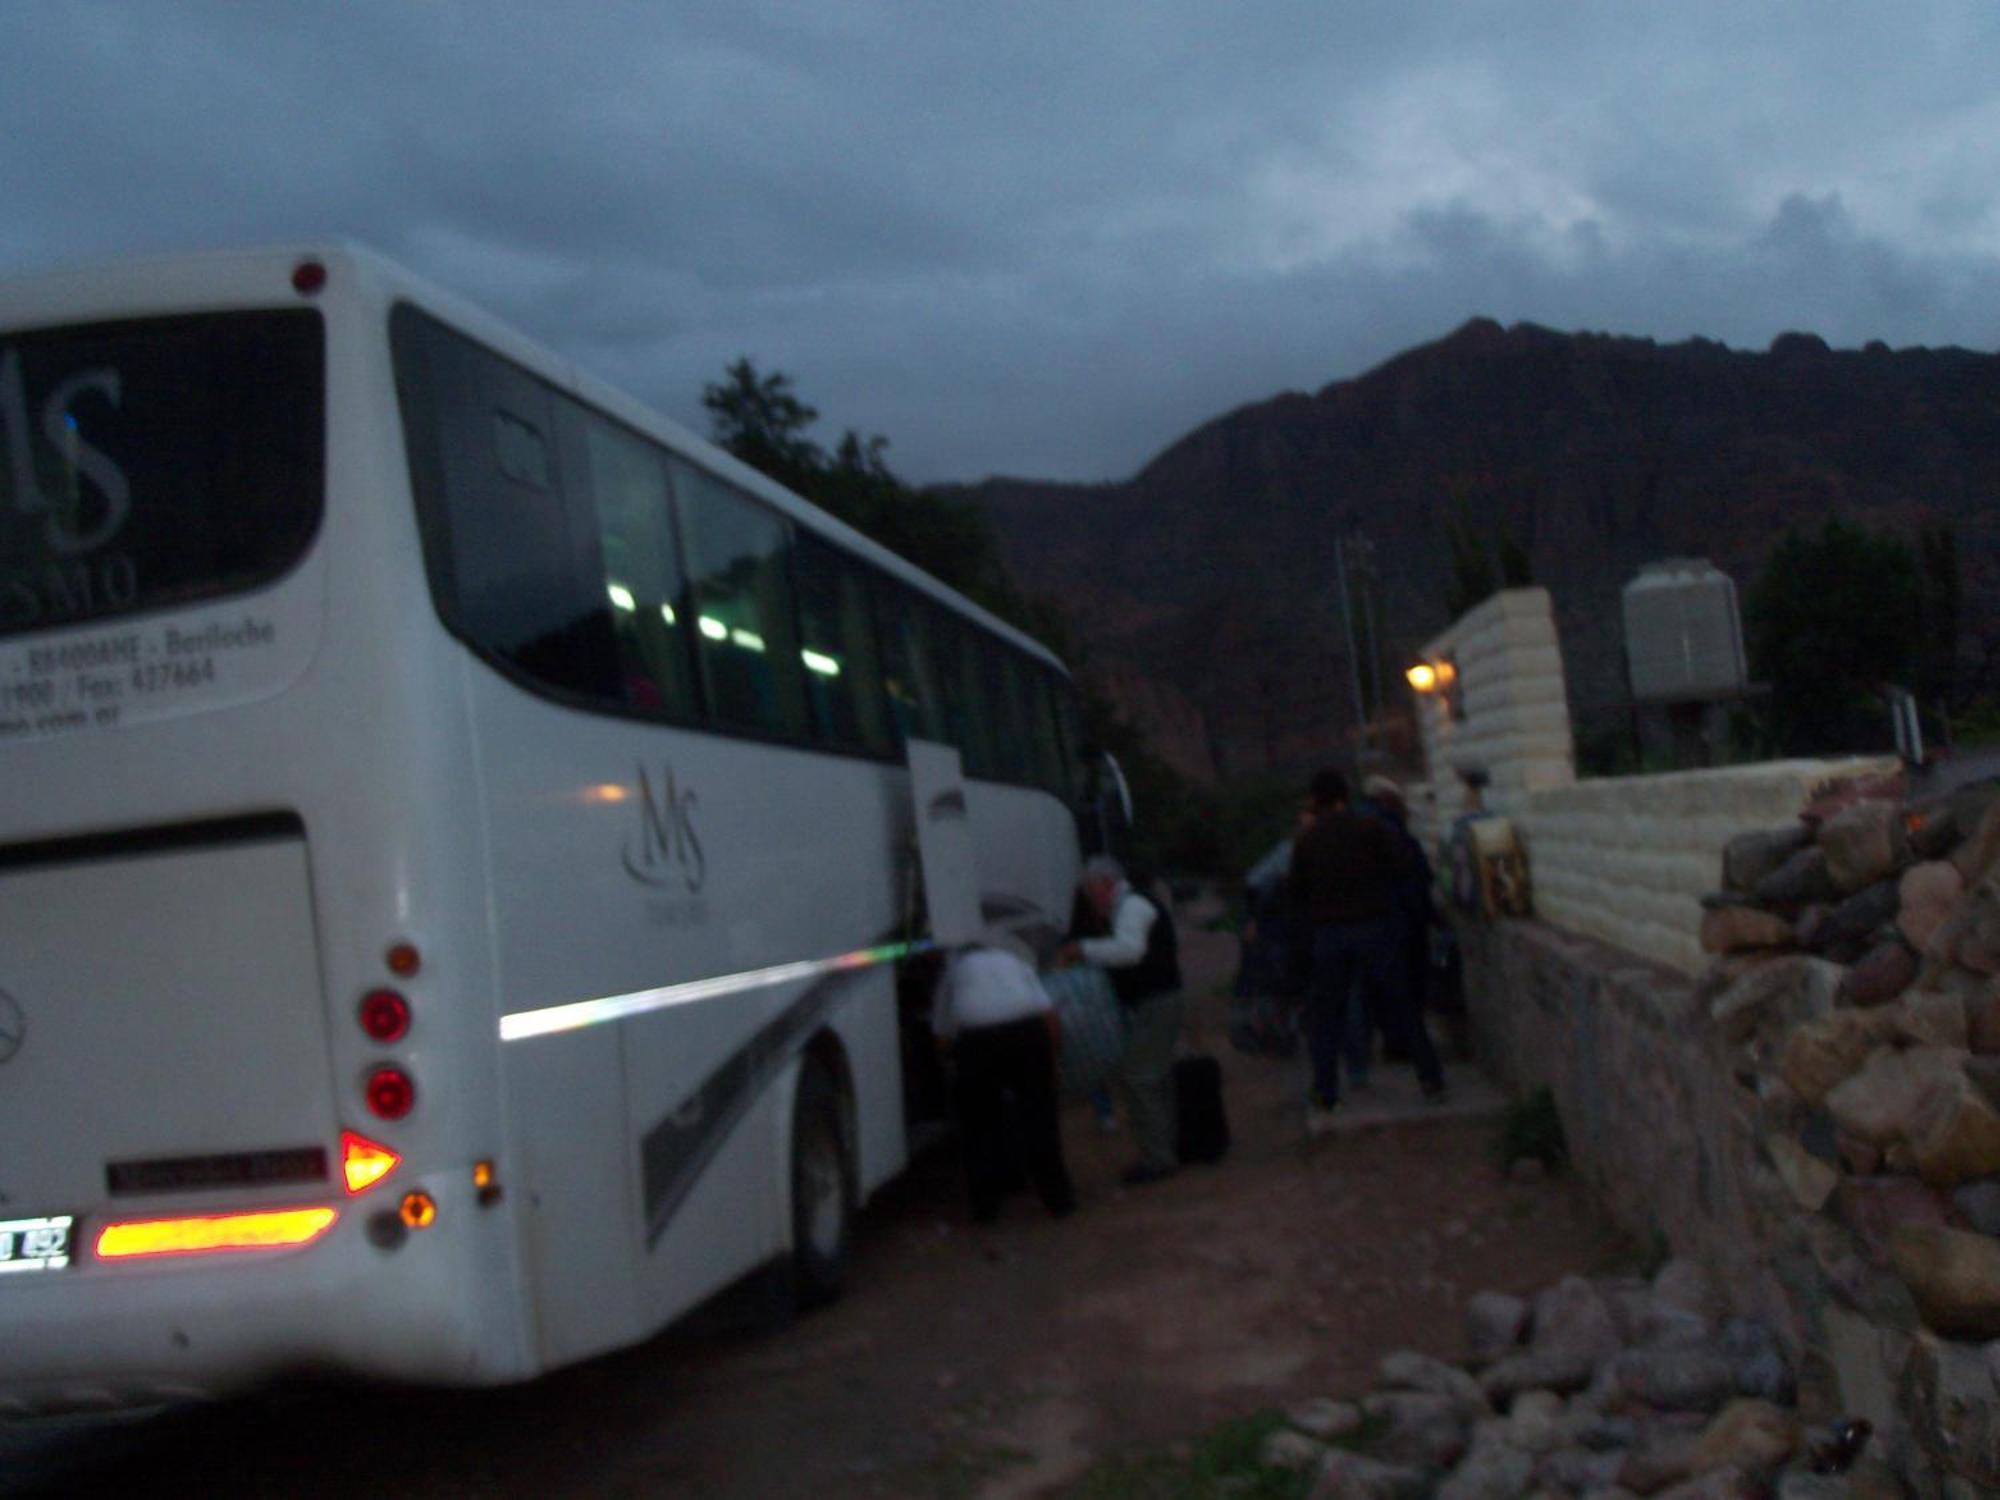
(264, 1229)
(363, 1162)
(391, 1093)
(385, 1015)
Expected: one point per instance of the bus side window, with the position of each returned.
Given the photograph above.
(1068, 741)
(644, 583)
(837, 648)
(968, 722)
(1012, 755)
(516, 557)
(743, 605)
(1051, 764)
(908, 676)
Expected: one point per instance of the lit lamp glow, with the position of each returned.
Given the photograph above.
(1423, 677)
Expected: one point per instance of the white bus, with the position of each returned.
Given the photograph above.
(455, 845)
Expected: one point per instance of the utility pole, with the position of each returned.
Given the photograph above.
(1371, 614)
(1347, 624)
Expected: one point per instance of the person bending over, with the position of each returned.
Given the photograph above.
(1001, 1027)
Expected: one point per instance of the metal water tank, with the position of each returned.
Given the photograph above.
(1683, 632)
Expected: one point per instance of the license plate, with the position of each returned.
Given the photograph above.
(34, 1244)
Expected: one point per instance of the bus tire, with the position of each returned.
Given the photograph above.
(822, 1188)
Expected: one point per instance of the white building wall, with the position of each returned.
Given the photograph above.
(1623, 859)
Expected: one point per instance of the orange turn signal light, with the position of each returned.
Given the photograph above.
(419, 1209)
(268, 1229)
(363, 1162)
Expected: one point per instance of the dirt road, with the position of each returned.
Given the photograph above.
(997, 1362)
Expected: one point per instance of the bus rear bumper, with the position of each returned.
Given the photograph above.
(103, 1336)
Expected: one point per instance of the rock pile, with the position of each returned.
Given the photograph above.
(1857, 993)
(1854, 1009)
(1610, 1389)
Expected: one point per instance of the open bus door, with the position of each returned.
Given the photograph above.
(944, 905)
(1105, 821)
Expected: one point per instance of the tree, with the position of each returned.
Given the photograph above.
(762, 422)
(1831, 620)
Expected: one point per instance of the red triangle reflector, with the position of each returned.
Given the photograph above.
(363, 1162)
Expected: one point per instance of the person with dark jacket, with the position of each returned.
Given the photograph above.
(1348, 870)
(1415, 906)
(1142, 957)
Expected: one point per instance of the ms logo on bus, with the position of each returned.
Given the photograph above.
(63, 508)
(665, 850)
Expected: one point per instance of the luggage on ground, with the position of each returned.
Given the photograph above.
(1203, 1129)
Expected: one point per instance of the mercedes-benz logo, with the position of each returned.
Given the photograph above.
(13, 1027)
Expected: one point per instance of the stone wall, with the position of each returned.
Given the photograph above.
(1817, 1117)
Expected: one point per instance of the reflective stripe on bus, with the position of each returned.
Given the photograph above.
(576, 1014)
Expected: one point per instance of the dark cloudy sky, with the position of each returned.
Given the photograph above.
(1042, 237)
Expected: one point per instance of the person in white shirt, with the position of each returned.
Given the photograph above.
(1000, 1025)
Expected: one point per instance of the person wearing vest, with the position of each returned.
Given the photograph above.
(1142, 960)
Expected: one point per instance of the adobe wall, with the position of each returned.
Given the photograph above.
(1621, 859)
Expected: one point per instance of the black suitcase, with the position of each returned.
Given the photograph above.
(1203, 1129)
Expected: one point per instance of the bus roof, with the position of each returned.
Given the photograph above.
(142, 286)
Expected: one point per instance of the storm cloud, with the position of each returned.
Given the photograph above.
(1042, 239)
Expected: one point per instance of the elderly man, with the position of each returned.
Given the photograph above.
(1141, 956)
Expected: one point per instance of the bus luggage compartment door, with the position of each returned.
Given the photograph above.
(162, 1036)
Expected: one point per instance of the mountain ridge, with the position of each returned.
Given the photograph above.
(1210, 573)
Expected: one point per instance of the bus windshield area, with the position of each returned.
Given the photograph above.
(156, 462)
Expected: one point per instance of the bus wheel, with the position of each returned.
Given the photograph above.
(822, 1189)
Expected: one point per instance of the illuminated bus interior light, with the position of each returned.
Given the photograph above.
(621, 597)
(266, 1229)
(550, 1020)
(667, 614)
(714, 629)
(749, 640)
(363, 1162)
(815, 661)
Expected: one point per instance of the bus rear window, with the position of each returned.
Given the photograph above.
(156, 462)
